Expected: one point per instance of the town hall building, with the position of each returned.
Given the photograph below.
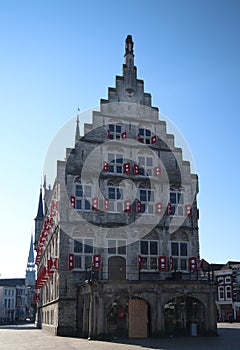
(116, 237)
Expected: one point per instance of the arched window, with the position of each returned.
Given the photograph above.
(228, 290)
(220, 293)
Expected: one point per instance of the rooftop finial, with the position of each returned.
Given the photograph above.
(77, 134)
(129, 45)
(129, 56)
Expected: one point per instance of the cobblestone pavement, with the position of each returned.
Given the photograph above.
(27, 337)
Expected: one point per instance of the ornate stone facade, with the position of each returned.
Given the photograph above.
(119, 239)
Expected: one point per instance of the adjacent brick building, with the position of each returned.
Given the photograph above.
(117, 242)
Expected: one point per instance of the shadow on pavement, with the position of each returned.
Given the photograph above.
(22, 327)
(228, 338)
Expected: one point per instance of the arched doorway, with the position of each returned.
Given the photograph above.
(128, 317)
(116, 268)
(183, 315)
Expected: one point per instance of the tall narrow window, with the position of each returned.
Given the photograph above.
(146, 197)
(221, 293)
(177, 203)
(115, 163)
(145, 165)
(116, 199)
(228, 292)
(179, 252)
(149, 254)
(83, 197)
(83, 253)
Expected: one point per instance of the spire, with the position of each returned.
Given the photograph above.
(40, 214)
(30, 270)
(77, 133)
(31, 254)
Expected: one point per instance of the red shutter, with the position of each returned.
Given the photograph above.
(126, 168)
(193, 263)
(105, 166)
(108, 134)
(124, 135)
(55, 263)
(158, 208)
(169, 208)
(106, 204)
(157, 171)
(138, 206)
(170, 263)
(139, 262)
(136, 169)
(154, 139)
(70, 261)
(49, 266)
(162, 263)
(72, 202)
(188, 210)
(127, 206)
(96, 261)
(139, 138)
(94, 203)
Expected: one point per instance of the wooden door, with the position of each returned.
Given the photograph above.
(117, 268)
(137, 318)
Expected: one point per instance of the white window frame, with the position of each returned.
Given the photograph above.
(179, 259)
(145, 136)
(116, 161)
(116, 205)
(117, 246)
(221, 293)
(114, 133)
(150, 204)
(83, 254)
(228, 279)
(228, 289)
(146, 165)
(85, 198)
(220, 280)
(149, 260)
(177, 206)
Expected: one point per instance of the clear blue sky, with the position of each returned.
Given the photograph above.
(58, 55)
